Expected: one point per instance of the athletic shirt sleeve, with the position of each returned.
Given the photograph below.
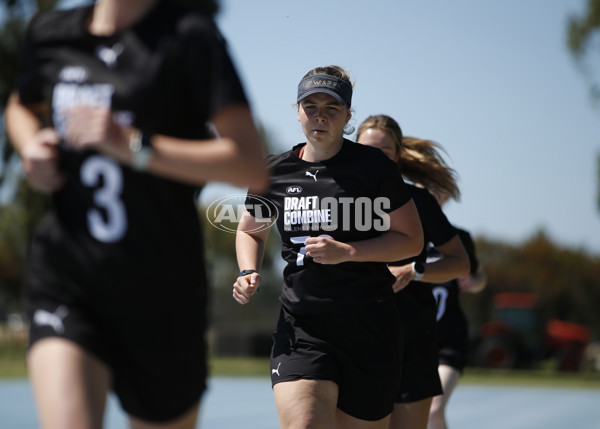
(436, 227)
(437, 230)
(221, 78)
(392, 186)
(28, 82)
(467, 241)
(32, 71)
(265, 200)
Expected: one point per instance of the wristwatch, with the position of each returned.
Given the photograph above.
(246, 272)
(141, 150)
(419, 270)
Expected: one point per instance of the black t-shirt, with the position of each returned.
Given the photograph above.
(343, 197)
(436, 227)
(449, 313)
(467, 241)
(169, 74)
(415, 301)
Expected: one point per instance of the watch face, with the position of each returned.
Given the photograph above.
(419, 268)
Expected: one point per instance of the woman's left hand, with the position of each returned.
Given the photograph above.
(404, 275)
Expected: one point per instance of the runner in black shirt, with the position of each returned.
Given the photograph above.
(342, 211)
(110, 116)
(420, 381)
(453, 332)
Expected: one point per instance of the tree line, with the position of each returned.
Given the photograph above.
(567, 280)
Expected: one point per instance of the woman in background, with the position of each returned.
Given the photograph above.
(420, 381)
(453, 330)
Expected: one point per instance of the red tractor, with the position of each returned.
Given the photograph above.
(516, 338)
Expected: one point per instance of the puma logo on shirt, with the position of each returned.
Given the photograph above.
(109, 55)
(314, 176)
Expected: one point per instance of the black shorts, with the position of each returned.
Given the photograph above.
(455, 357)
(453, 338)
(156, 351)
(358, 351)
(420, 378)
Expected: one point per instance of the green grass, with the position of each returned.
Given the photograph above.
(12, 360)
(242, 366)
(534, 378)
(239, 366)
(12, 365)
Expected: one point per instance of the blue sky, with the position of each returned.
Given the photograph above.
(493, 82)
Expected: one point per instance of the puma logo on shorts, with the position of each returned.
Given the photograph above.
(54, 320)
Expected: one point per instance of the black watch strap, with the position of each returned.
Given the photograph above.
(246, 272)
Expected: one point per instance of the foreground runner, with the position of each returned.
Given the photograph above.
(116, 280)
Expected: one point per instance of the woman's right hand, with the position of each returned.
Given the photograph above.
(39, 160)
(246, 286)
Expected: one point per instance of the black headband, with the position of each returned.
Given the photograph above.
(338, 88)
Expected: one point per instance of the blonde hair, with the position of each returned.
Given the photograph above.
(420, 160)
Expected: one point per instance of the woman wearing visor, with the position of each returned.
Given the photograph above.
(342, 212)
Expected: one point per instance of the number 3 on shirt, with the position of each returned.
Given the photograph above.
(109, 224)
(302, 240)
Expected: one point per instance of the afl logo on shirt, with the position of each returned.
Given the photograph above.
(73, 74)
(225, 213)
(293, 190)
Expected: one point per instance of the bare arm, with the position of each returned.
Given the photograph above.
(403, 240)
(235, 156)
(454, 264)
(473, 283)
(249, 247)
